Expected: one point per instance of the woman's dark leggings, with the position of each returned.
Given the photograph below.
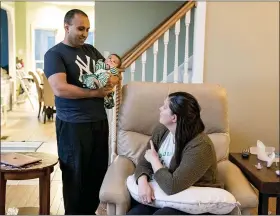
(141, 209)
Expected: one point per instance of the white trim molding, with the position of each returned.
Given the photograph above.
(199, 42)
(12, 43)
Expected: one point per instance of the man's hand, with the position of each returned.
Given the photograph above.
(102, 92)
(112, 81)
(121, 70)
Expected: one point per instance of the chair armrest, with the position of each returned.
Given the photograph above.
(113, 189)
(237, 184)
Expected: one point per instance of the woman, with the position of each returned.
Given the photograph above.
(179, 155)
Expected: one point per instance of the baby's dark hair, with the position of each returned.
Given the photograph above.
(118, 58)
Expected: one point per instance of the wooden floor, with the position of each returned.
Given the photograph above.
(23, 125)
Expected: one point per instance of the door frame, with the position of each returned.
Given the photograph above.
(11, 44)
(199, 42)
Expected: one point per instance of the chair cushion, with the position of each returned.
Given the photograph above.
(139, 111)
(132, 144)
(194, 200)
(221, 144)
(139, 114)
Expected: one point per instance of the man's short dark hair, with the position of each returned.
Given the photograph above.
(70, 15)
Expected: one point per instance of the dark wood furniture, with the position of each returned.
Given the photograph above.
(41, 170)
(265, 179)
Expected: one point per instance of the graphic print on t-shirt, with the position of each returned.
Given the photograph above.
(84, 67)
(166, 150)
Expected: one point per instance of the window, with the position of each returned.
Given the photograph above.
(44, 40)
(90, 38)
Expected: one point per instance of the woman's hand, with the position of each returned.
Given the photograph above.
(145, 191)
(151, 154)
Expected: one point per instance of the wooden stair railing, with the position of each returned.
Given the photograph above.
(128, 53)
(129, 58)
(135, 52)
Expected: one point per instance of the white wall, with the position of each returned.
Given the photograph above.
(11, 4)
(242, 55)
(134, 20)
(49, 16)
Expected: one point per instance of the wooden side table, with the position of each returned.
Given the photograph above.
(265, 180)
(41, 170)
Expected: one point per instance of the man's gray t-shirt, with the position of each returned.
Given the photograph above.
(75, 62)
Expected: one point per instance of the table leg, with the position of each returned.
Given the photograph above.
(44, 193)
(263, 204)
(278, 206)
(3, 182)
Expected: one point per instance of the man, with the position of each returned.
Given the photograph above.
(81, 123)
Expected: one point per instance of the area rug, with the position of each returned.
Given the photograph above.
(102, 209)
(15, 146)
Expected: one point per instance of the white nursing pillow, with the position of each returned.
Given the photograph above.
(194, 200)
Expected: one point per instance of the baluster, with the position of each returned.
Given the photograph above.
(113, 132)
(165, 41)
(115, 117)
(155, 50)
(143, 60)
(186, 61)
(132, 71)
(177, 31)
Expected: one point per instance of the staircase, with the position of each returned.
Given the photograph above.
(171, 65)
(181, 71)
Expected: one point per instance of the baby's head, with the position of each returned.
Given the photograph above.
(113, 61)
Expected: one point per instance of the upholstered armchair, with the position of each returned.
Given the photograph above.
(45, 94)
(137, 117)
(37, 80)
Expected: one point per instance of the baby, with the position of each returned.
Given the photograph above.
(99, 79)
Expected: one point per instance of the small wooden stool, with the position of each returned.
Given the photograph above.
(41, 170)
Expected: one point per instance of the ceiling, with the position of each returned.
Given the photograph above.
(85, 3)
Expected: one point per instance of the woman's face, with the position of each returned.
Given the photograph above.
(166, 117)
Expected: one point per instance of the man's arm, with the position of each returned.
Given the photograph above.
(56, 73)
(62, 89)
